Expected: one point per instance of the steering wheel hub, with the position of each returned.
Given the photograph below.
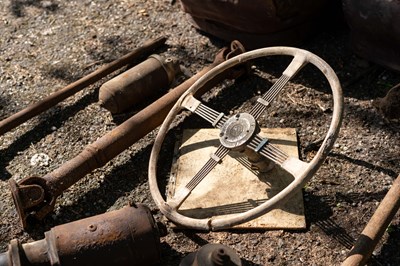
(238, 130)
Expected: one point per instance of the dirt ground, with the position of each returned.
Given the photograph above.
(45, 45)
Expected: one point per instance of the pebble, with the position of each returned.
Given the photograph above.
(254, 241)
(40, 159)
(280, 243)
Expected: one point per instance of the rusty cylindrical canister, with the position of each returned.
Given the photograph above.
(140, 83)
(128, 236)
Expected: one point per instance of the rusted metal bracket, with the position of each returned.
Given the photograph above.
(128, 236)
(62, 94)
(36, 196)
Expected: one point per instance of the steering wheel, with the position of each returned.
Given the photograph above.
(240, 132)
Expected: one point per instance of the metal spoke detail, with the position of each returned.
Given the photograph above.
(216, 158)
(212, 116)
(269, 96)
(261, 146)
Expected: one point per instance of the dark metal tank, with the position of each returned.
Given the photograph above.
(258, 23)
(375, 30)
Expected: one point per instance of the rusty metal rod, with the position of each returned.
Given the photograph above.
(36, 108)
(373, 232)
(128, 236)
(37, 195)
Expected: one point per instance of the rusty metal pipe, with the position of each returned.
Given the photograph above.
(37, 195)
(373, 232)
(140, 83)
(128, 236)
(60, 95)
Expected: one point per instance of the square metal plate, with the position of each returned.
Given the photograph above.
(232, 186)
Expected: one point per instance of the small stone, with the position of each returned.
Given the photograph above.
(254, 241)
(40, 159)
(47, 4)
(47, 32)
(143, 12)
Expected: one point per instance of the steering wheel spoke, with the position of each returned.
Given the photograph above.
(202, 110)
(263, 102)
(290, 164)
(183, 193)
(264, 147)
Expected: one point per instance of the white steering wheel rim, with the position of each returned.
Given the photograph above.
(215, 223)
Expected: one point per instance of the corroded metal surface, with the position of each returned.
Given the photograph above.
(212, 255)
(37, 195)
(60, 95)
(142, 82)
(128, 236)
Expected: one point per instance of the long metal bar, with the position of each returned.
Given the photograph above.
(37, 195)
(372, 233)
(36, 108)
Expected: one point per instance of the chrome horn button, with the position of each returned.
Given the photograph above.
(238, 130)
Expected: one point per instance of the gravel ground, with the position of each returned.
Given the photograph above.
(47, 44)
